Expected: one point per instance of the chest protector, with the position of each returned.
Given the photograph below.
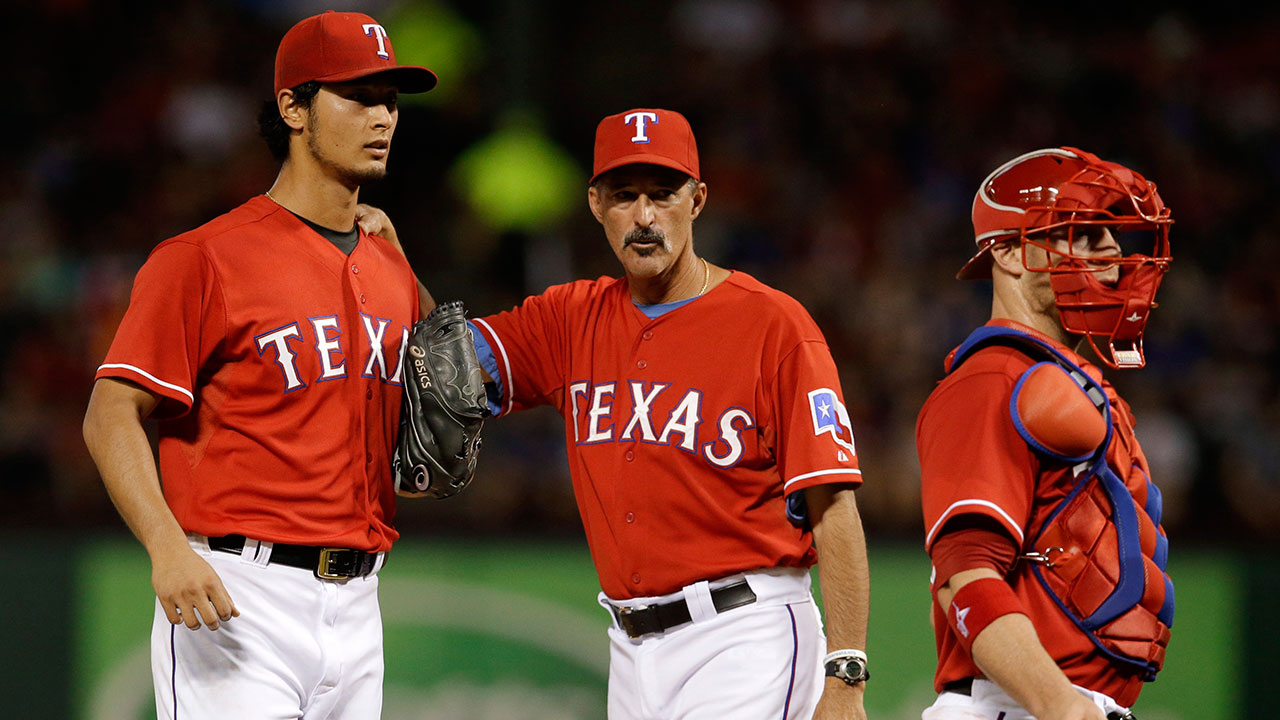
(1101, 554)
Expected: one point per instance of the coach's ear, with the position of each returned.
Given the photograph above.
(699, 199)
(594, 202)
(293, 113)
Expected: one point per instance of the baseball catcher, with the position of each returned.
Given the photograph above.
(1052, 596)
(443, 410)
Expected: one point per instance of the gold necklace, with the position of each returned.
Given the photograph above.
(268, 194)
(706, 277)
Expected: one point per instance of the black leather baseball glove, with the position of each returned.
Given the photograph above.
(443, 410)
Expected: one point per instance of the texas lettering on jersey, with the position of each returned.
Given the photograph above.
(324, 335)
(605, 412)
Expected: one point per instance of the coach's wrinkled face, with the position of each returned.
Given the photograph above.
(647, 212)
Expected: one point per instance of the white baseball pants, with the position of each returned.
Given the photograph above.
(756, 662)
(301, 648)
(989, 702)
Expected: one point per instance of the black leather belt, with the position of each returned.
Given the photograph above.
(965, 687)
(327, 563)
(647, 619)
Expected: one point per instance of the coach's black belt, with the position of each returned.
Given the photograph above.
(647, 619)
(327, 563)
(965, 687)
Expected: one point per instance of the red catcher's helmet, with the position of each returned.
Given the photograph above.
(1033, 194)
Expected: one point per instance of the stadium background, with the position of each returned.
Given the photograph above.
(842, 141)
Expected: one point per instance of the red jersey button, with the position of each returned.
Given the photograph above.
(648, 335)
(631, 517)
(630, 456)
(362, 297)
(368, 394)
(642, 364)
(635, 578)
(355, 269)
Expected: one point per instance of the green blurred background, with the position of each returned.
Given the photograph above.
(496, 629)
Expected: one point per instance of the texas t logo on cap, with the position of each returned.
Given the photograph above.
(640, 119)
(339, 46)
(645, 135)
(379, 32)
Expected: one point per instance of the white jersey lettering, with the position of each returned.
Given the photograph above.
(576, 389)
(326, 346)
(731, 436)
(600, 409)
(684, 420)
(376, 354)
(284, 356)
(404, 345)
(640, 411)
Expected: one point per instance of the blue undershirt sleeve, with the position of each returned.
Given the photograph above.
(493, 388)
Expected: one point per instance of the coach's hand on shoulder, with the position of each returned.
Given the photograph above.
(840, 702)
(375, 222)
(189, 590)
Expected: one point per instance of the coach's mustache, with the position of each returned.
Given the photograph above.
(644, 235)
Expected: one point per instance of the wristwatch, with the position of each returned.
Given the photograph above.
(848, 665)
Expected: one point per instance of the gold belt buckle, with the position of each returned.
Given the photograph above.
(322, 567)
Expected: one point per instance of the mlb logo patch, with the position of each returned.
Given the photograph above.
(831, 417)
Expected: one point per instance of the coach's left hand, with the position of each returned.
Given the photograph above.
(375, 222)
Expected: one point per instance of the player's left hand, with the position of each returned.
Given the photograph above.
(840, 702)
(375, 222)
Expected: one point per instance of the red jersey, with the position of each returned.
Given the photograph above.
(686, 432)
(277, 361)
(974, 461)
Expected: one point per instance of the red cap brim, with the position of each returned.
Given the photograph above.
(406, 78)
(644, 159)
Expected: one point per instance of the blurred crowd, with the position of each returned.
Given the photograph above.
(842, 141)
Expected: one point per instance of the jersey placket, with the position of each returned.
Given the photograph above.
(633, 515)
(365, 407)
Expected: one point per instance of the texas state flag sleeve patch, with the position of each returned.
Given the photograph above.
(831, 417)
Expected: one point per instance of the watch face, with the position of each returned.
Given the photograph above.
(852, 670)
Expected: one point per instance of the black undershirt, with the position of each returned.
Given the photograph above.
(344, 241)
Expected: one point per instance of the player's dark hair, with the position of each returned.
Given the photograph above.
(272, 127)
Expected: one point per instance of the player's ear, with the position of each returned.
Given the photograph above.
(699, 199)
(291, 111)
(596, 203)
(1008, 257)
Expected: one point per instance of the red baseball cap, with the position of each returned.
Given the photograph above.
(340, 46)
(645, 135)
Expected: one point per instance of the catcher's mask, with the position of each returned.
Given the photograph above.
(1064, 192)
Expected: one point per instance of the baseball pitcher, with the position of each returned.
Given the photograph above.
(268, 345)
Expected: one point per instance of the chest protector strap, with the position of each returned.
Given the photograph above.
(1098, 558)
